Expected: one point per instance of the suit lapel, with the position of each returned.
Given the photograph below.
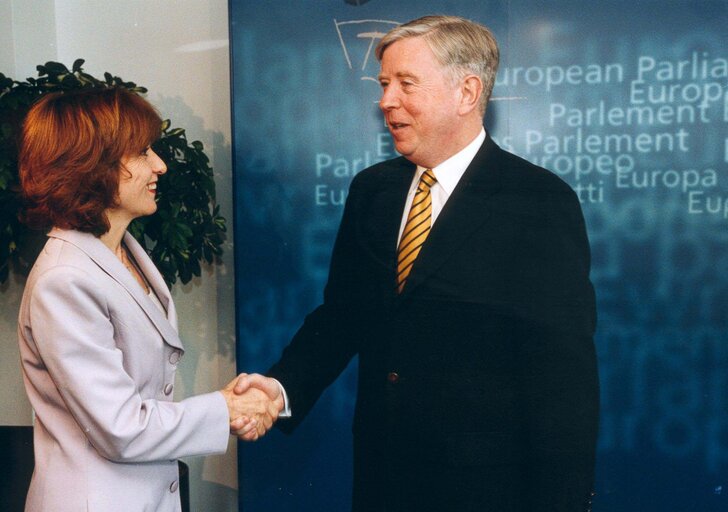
(105, 259)
(464, 212)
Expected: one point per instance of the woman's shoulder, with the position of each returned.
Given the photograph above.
(58, 256)
(63, 266)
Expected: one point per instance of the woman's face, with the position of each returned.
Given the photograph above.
(138, 184)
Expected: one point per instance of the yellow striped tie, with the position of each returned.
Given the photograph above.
(416, 229)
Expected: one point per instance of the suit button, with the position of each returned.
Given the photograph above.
(393, 377)
(174, 486)
(168, 389)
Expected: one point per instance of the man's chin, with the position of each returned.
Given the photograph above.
(403, 149)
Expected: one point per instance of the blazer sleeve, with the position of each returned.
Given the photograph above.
(72, 329)
(329, 336)
(560, 386)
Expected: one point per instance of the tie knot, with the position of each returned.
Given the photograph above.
(428, 178)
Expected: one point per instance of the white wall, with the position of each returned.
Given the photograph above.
(179, 51)
(7, 45)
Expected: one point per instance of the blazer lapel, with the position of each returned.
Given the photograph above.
(154, 277)
(379, 229)
(105, 259)
(464, 212)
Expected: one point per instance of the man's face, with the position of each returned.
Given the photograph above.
(420, 103)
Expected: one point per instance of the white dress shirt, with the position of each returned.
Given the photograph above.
(448, 174)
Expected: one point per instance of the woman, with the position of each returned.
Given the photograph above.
(97, 326)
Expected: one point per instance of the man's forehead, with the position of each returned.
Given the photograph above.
(405, 55)
(408, 45)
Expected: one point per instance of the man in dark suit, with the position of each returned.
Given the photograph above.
(460, 277)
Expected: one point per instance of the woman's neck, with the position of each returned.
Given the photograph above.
(113, 237)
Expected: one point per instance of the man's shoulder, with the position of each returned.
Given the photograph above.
(388, 170)
(520, 171)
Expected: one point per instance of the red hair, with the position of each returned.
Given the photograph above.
(70, 155)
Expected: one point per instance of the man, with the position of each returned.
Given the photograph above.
(460, 278)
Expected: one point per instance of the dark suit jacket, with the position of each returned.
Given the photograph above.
(478, 387)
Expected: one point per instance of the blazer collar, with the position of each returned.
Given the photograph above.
(464, 212)
(109, 263)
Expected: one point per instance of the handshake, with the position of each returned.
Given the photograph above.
(254, 403)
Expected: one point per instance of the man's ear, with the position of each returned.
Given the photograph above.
(471, 90)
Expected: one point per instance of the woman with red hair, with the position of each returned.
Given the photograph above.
(97, 325)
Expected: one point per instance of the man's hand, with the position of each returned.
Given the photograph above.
(253, 405)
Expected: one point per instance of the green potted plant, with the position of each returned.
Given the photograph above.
(187, 228)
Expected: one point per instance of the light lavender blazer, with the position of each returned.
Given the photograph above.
(99, 360)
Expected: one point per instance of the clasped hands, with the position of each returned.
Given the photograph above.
(254, 403)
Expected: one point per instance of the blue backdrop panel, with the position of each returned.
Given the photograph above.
(626, 101)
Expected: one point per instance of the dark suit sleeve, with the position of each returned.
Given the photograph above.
(328, 338)
(560, 387)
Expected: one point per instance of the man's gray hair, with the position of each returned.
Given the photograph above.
(461, 46)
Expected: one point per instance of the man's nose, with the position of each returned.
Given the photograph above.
(389, 99)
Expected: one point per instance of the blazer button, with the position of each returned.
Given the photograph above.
(174, 486)
(393, 377)
(168, 389)
(174, 357)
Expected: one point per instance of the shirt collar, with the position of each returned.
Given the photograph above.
(449, 172)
